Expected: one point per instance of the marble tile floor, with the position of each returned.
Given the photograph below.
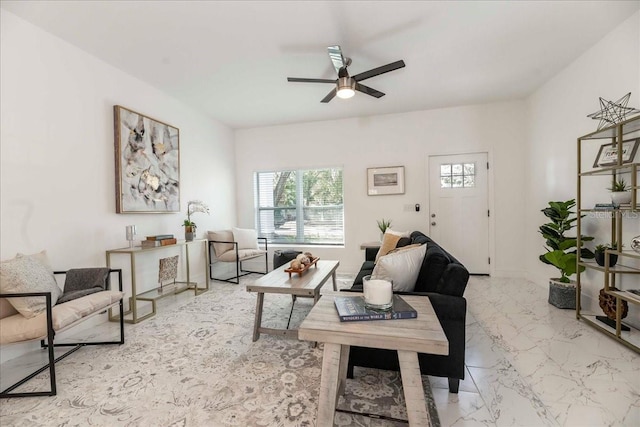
(530, 364)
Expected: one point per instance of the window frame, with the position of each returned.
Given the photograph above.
(299, 238)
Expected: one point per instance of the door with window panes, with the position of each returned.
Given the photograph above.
(459, 208)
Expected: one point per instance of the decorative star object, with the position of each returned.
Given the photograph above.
(612, 113)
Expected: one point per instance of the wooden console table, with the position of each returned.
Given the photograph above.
(155, 294)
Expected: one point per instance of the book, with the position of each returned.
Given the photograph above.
(603, 206)
(352, 309)
(161, 237)
(166, 242)
(149, 243)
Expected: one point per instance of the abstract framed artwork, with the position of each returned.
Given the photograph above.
(387, 180)
(608, 153)
(147, 159)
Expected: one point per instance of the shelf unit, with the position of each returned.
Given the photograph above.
(627, 260)
(155, 294)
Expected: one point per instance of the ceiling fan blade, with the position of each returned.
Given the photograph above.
(330, 96)
(335, 53)
(303, 80)
(380, 70)
(369, 91)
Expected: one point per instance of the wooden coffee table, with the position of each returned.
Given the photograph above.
(278, 282)
(407, 336)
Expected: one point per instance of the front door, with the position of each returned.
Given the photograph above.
(459, 208)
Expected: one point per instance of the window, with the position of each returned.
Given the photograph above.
(300, 206)
(457, 175)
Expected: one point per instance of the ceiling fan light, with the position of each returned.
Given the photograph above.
(346, 87)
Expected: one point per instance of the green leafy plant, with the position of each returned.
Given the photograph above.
(383, 224)
(562, 250)
(618, 186)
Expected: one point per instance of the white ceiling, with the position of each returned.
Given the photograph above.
(231, 59)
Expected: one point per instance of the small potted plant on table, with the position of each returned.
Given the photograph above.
(383, 224)
(189, 226)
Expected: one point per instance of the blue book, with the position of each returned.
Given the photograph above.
(352, 309)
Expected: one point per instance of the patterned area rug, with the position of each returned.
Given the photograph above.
(195, 364)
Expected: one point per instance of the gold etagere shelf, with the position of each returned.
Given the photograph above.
(627, 264)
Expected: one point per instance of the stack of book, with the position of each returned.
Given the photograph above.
(604, 207)
(159, 240)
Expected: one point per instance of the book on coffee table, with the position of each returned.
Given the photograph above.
(352, 309)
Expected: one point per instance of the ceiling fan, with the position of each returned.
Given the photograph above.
(347, 85)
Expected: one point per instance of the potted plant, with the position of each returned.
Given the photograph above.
(599, 252)
(620, 192)
(383, 224)
(189, 226)
(562, 252)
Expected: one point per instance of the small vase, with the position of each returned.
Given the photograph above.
(189, 233)
(613, 259)
(619, 197)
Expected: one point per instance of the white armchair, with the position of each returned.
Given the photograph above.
(235, 246)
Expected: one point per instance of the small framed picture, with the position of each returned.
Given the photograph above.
(387, 180)
(608, 153)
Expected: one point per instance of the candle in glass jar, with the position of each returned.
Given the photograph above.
(377, 291)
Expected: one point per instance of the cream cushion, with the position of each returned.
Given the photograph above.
(17, 328)
(402, 267)
(398, 233)
(246, 238)
(26, 273)
(221, 236)
(389, 242)
(230, 256)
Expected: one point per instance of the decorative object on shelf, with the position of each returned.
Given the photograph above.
(147, 163)
(189, 226)
(608, 153)
(599, 253)
(168, 271)
(607, 303)
(620, 193)
(635, 244)
(131, 233)
(383, 224)
(562, 251)
(612, 113)
(387, 180)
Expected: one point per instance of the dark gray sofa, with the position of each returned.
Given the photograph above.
(442, 279)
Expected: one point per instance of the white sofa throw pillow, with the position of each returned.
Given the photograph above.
(402, 267)
(246, 238)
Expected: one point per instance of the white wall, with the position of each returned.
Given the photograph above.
(391, 140)
(557, 117)
(57, 163)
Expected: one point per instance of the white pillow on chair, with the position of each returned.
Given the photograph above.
(246, 238)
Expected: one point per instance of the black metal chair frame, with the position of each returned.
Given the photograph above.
(239, 270)
(50, 345)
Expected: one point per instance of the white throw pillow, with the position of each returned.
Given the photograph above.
(28, 274)
(402, 267)
(246, 238)
(221, 236)
(398, 233)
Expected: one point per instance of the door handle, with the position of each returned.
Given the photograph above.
(433, 223)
